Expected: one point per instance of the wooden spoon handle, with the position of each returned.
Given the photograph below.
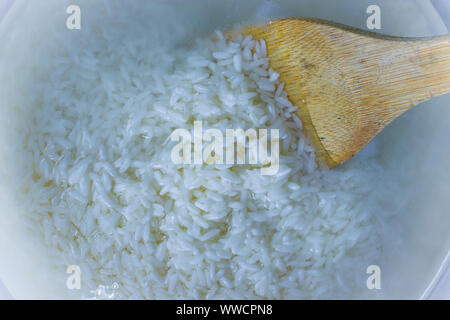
(384, 76)
(408, 71)
(350, 84)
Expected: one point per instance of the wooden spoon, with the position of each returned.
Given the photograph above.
(350, 84)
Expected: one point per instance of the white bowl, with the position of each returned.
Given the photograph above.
(417, 264)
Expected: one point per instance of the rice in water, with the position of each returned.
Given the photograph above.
(99, 186)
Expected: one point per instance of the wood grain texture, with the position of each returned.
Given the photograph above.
(350, 84)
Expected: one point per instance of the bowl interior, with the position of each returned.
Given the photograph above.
(412, 150)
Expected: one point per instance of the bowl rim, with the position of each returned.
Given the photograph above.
(441, 277)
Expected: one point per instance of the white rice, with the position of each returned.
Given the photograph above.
(100, 188)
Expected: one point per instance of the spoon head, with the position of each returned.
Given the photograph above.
(314, 59)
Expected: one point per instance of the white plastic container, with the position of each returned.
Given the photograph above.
(420, 270)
